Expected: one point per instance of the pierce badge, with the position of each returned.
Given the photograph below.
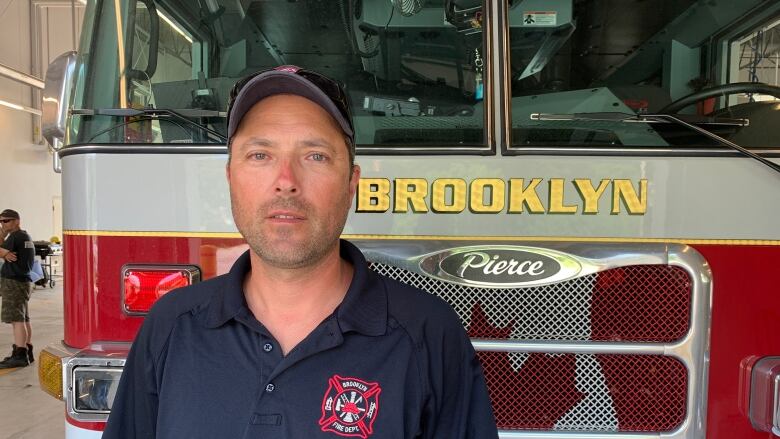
(350, 407)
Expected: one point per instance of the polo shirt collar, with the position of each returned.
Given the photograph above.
(363, 310)
(229, 302)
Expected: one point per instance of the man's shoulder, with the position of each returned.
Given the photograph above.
(415, 308)
(17, 241)
(190, 299)
(22, 235)
(25, 240)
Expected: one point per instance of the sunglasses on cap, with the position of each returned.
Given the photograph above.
(332, 89)
(7, 220)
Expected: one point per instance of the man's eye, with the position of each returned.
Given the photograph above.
(318, 157)
(258, 156)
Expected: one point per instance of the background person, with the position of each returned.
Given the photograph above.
(18, 254)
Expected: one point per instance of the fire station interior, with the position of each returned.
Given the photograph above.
(578, 73)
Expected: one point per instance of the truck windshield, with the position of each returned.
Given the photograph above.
(416, 70)
(414, 74)
(641, 57)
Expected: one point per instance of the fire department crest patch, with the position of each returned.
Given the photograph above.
(350, 407)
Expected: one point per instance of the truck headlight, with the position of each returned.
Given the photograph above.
(94, 388)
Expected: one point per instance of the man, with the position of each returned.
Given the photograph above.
(300, 339)
(18, 254)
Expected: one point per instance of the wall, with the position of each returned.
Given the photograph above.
(27, 182)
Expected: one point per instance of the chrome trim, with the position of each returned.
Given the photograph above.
(114, 361)
(93, 369)
(161, 148)
(60, 78)
(569, 268)
(776, 408)
(692, 350)
(56, 162)
(193, 275)
(556, 347)
(695, 347)
(211, 148)
(143, 149)
(505, 434)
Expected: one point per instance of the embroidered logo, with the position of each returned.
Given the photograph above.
(350, 407)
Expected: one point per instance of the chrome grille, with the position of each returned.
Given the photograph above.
(643, 303)
(601, 392)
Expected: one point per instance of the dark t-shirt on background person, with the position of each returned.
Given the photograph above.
(20, 243)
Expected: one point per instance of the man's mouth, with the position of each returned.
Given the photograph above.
(285, 216)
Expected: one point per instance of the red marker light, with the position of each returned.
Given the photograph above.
(761, 393)
(145, 285)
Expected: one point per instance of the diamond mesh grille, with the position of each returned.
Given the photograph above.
(641, 303)
(579, 392)
(584, 392)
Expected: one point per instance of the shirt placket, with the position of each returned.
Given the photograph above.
(268, 415)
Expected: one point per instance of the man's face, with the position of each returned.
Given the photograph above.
(290, 180)
(8, 224)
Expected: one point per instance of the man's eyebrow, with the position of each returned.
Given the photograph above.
(316, 142)
(257, 141)
(261, 141)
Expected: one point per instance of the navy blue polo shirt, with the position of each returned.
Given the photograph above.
(390, 362)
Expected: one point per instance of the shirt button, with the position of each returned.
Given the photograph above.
(269, 388)
(268, 347)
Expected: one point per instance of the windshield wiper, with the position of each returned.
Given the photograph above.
(156, 113)
(662, 118)
(642, 118)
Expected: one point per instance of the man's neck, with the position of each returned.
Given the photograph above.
(292, 302)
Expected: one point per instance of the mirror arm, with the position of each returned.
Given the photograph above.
(154, 41)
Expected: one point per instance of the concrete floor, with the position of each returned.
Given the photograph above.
(26, 411)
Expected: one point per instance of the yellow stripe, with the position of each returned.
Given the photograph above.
(153, 234)
(237, 235)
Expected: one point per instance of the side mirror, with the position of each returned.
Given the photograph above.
(56, 98)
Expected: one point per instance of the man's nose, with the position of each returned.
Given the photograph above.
(287, 178)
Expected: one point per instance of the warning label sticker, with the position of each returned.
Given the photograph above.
(540, 18)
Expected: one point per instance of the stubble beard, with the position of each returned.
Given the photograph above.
(277, 248)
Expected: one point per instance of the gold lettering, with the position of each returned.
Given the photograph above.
(497, 195)
(439, 195)
(373, 195)
(410, 190)
(519, 196)
(556, 198)
(589, 195)
(488, 195)
(624, 190)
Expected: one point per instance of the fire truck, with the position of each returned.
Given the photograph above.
(592, 185)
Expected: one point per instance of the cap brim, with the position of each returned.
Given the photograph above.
(276, 82)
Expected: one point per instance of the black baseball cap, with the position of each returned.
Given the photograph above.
(325, 92)
(8, 213)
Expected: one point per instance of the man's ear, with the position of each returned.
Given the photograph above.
(353, 180)
(227, 172)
